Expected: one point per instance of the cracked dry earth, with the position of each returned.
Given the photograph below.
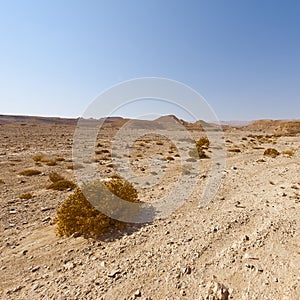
(244, 245)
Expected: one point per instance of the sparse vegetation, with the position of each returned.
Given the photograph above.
(30, 172)
(290, 153)
(202, 142)
(38, 157)
(62, 185)
(26, 196)
(235, 150)
(271, 152)
(54, 177)
(78, 215)
(169, 158)
(51, 162)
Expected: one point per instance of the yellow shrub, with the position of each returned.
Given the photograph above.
(78, 215)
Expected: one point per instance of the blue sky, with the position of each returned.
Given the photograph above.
(243, 57)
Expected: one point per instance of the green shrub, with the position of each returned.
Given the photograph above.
(78, 215)
(62, 185)
(271, 152)
(30, 172)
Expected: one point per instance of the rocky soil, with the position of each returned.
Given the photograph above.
(244, 245)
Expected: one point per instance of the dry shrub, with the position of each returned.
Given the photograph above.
(30, 172)
(78, 215)
(62, 185)
(159, 143)
(169, 158)
(38, 157)
(235, 150)
(60, 159)
(51, 162)
(271, 152)
(26, 196)
(260, 160)
(202, 142)
(75, 166)
(290, 153)
(54, 177)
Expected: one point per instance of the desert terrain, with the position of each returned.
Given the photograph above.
(244, 245)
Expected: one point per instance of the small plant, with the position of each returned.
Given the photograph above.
(75, 167)
(202, 142)
(51, 162)
(261, 160)
(290, 153)
(54, 177)
(235, 150)
(271, 152)
(26, 196)
(38, 157)
(159, 143)
(30, 172)
(169, 158)
(78, 215)
(62, 185)
(60, 159)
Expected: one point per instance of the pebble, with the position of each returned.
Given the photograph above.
(17, 288)
(113, 273)
(250, 256)
(260, 268)
(35, 269)
(138, 293)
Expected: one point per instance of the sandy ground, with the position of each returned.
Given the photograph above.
(244, 245)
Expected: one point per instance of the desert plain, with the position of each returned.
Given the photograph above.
(245, 244)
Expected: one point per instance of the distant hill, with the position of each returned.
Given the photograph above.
(276, 126)
(7, 119)
(168, 122)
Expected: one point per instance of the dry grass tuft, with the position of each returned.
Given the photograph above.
(54, 177)
(271, 152)
(290, 153)
(62, 185)
(26, 196)
(30, 172)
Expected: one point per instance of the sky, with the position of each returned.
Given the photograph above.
(242, 57)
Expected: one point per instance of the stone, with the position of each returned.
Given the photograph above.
(34, 269)
(250, 256)
(138, 293)
(17, 288)
(113, 273)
